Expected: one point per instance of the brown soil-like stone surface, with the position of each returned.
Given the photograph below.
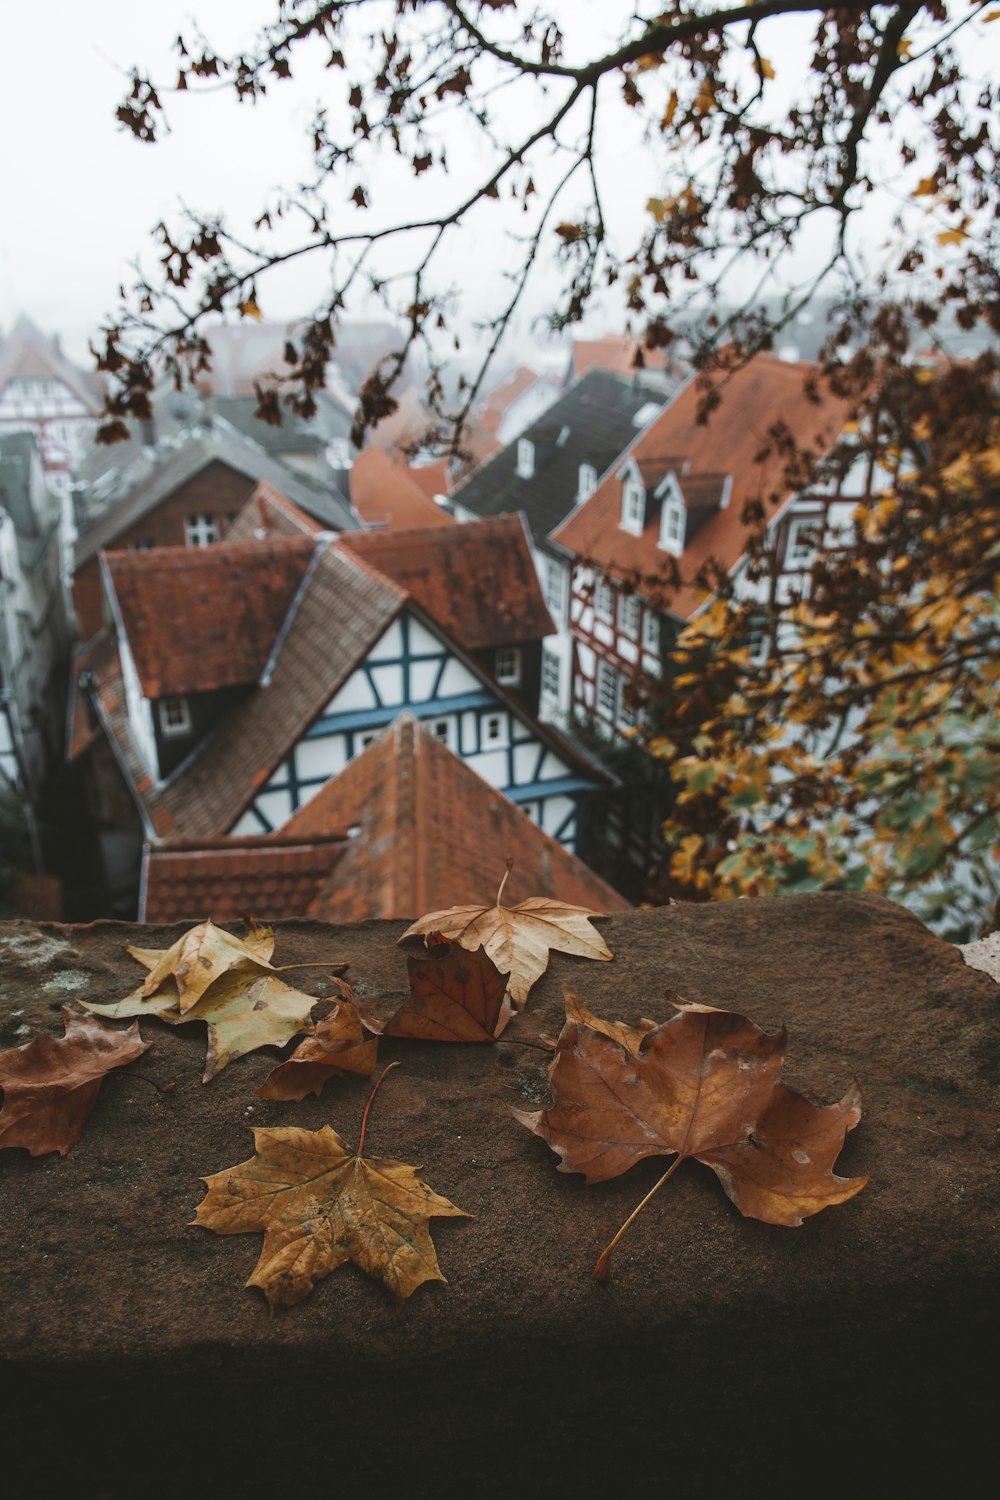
(724, 1356)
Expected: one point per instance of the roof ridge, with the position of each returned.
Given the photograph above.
(286, 624)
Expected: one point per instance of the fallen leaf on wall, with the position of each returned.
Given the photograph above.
(335, 1045)
(518, 939)
(243, 1009)
(198, 958)
(455, 996)
(51, 1085)
(703, 1084)
(319, 1205)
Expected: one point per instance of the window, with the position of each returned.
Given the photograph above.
(757, 639)
(550, 674)
(627, 715)
(672, 527)
(201, 531)
(628, 616)
(493, 727)
(367, 739)
(650, 631)
(633, 506)
(586, 482)
(604, 600)
(141, 546)
(607, 689)
(525, 458)
(442, 730)
(507, 669)
(554, 586)
(175, 716)
(803, 537)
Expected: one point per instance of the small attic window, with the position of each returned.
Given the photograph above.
(175, 716)
(633, 506)
(587, 482)
(672, 525)
(525, 458)
(646, 413)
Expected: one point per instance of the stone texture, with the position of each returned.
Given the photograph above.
(724, 1352)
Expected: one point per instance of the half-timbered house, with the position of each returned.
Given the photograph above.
(204, 755)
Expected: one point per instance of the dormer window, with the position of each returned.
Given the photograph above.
(633, 506)
(525, 458)
(587, 482)
(672, 524)
(175, 716)
(201, 531)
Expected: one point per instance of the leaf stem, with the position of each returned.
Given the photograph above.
(506, 873)
(371, 1096)
(603, 1268)
(338, 968)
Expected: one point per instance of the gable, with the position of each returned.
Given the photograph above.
(413, 667)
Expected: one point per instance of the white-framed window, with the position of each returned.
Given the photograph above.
(650, 630)
(628, 616)
(604, 600)
(633, 506)
(672, 526)
(803, 539)
(201, 531)
(551, 674)
(507, 666)
(586, 481)
(757, 641)
(494, 728)
(607, 690)
(175, 715)
(525, 458)
(554, 586)
(627, 715)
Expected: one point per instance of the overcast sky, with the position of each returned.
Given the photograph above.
(80, 196)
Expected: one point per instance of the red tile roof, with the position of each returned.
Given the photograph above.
(384, 494)
(269, 513)
(426, 832)
(269, 877)
(477, 581)
(617, 352)
(433, 479)
(765, 391)
(201, 618)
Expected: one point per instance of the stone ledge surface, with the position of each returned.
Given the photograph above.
(720, 1344)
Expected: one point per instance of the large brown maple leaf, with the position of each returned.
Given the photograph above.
(518, 939)
(703, 1084)
(319, 1205)
(51, 1085)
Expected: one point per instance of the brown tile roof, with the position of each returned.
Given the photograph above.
(433, 479)
(617, 352)
(269, 513)
(268, 877)
(477, 582)
(202, 618)
(384, 494)
(427, 832)
(766, 390)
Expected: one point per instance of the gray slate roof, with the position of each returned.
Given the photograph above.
(223, 444)
(590, 424)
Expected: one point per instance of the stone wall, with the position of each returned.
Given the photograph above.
(724, 1357)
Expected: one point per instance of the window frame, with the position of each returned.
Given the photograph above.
(197, 528)
(633, 506)
(169, 727)
(811, 527)
(606, 690)
(628, 605)
(604, 599)
(511, 677)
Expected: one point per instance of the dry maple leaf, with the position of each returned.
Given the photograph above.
(518, 939)
(198, 958)
(703, 1084)
(320, 1205)
(337, 1044)
(455, 996)
(243, 1009)
(51, 1085)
